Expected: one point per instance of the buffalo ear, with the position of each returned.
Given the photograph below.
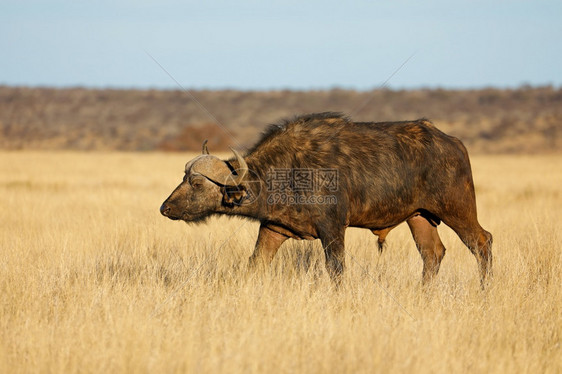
(233, 195)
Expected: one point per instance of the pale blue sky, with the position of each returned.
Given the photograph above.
(281, 44)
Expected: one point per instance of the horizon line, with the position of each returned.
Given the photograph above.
(520, 86)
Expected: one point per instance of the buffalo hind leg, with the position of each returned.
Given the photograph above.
(429, 245)
(478, 240)
(266, 247)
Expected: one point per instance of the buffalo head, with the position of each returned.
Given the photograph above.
(205, 187)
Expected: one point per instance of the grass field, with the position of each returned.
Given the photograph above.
(94, 279)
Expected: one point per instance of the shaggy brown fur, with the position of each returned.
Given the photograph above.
(387, 173)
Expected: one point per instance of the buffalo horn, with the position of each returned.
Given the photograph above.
(217, 170)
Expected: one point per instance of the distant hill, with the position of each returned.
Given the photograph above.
(524, 120)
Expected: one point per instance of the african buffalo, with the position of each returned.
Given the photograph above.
(315, 175)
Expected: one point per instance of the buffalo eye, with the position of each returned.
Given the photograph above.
(197, 182)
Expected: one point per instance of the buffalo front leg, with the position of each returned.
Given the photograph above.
(334, 250)
(266, 247)
(429, 245)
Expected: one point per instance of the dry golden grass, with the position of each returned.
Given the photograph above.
(93, 279)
